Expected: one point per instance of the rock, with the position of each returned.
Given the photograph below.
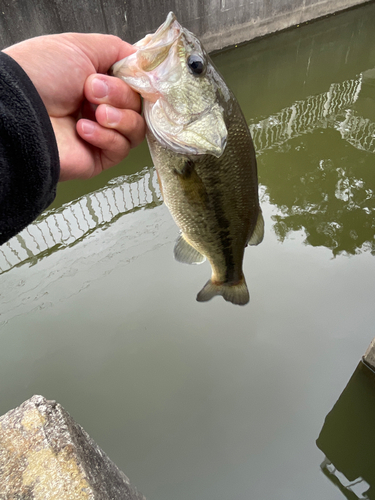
(46, 455)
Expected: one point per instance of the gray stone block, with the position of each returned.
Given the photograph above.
(45, 455)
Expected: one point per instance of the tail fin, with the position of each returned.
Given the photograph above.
(237, 294)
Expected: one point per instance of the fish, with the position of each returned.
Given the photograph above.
(203, 154)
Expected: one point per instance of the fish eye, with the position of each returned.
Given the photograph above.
(196, 64)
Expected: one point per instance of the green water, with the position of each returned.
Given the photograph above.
(213, 401)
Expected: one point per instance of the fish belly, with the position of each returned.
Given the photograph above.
(214, 201)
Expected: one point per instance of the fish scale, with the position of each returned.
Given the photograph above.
(203, 153)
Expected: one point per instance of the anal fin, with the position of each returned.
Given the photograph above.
(185, 253)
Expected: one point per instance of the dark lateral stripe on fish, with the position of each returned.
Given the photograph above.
(225, 239)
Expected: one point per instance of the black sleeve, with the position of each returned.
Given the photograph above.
(29, 160)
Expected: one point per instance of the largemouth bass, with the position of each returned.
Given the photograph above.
(203, 154)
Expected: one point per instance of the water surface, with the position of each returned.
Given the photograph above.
(211, 400)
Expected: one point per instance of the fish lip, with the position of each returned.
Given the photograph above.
(171, 18)
(147, 42)
(164, 37)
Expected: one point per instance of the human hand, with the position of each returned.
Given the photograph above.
(96, 118)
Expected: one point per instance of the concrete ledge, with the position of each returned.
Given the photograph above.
(45, 455)
(275, 20)
(219, 23)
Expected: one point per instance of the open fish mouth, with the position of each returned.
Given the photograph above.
(166, 34)
(180, 106)
(152, 49)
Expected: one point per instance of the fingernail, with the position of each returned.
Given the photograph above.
(99, 88)
(113, 115)
(88, 127)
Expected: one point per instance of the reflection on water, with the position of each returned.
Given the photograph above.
(327, 191)
(330, 196)
(347, 438)
(333, 202)
(71, 223)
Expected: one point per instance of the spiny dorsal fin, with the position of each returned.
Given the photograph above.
(184, 252)
(256, 236)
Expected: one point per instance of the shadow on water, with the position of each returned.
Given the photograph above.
(347, 437)
(310, 104)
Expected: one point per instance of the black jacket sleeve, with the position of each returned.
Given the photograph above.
(29, 161)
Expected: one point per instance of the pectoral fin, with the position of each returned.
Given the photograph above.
(185, 253)
(256, 236)
(186, 170)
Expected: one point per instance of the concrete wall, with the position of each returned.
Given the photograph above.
(219, 23)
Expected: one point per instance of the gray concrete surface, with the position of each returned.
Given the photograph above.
(46, 455)
(219, 23)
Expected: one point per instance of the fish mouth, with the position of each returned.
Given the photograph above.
(154, 66)
(152, 50)
(161, 32)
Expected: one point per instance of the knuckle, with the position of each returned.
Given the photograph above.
(134, 128)
(117, 148)
(140, 129)
(114, 141)
(121, 95)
